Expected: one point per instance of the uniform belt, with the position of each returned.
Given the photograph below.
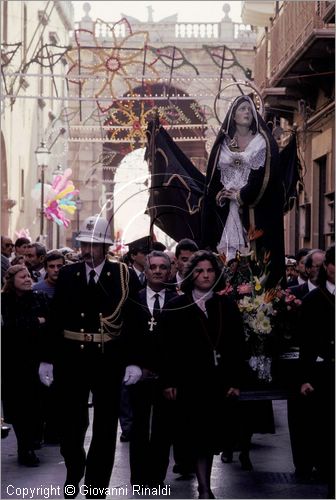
(86, 337)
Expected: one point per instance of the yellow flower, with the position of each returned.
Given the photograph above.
(257, 285)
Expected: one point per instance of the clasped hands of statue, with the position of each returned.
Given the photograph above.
(225, 194)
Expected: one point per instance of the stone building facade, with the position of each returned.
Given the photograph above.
(295, 70)
(33, 35)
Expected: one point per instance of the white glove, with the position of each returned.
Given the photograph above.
(132, 375)
(46, 373)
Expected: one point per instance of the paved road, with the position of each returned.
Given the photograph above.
(272, 476)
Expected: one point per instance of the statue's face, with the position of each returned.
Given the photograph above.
(244, 115)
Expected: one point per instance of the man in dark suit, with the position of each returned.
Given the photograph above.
(92, 344)
(300, 409)
(6, 251)
(151, 435)
(317, 370)
(301, 277)
(138, 249)
(313, 262)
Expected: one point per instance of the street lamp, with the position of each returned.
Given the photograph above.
(58, 171)
(42, 158)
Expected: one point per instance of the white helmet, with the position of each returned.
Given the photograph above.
(95, 229)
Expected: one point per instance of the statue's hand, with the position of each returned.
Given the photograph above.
(220, 198)
(225, 194)
(231, 194)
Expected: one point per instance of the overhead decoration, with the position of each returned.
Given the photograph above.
(8, 51)
(102, 163)
(225, 58)
(120, 68)
(128, 119)
(172, 57)
(112, 68)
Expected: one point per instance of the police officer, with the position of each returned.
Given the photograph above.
(90, 345)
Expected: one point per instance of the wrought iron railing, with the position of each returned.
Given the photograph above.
(291, 28)
(290, 31)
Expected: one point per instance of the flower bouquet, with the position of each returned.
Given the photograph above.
(258, 316)
(269, 315)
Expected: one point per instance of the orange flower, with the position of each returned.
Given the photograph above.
(267, 256)
(270, 295)
(254, 234)
(222, 258)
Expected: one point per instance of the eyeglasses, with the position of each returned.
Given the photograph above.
(9, 244)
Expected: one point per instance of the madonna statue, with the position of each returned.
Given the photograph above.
(244, 197)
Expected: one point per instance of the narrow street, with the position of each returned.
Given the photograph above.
(272, 476)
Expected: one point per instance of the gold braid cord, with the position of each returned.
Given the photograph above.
(111, 325)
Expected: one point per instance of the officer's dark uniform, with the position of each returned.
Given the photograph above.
(87, 360)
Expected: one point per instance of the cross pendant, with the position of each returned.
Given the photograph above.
(152, 323)
(217, 356)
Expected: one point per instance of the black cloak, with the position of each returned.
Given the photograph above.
(261, 199)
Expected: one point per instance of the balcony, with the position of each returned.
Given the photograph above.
(173, 31)
(298, 52)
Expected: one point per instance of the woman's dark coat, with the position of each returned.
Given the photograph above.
(189, 339)
(22, 340)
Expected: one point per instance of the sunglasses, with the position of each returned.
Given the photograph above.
(9, 244)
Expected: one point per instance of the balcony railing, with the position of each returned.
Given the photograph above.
(290, 31)
(170, 31)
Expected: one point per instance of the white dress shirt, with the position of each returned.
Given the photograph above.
(97, 269)
(330, 287)
(150, 297)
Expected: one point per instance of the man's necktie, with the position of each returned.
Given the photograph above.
(92, 282)
(156, 308)
(142, 278)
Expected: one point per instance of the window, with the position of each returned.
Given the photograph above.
(321, 164)
(305, 221)
(330, 215)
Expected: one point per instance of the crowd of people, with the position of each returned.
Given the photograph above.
(151, 337)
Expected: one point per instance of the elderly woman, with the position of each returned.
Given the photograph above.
(244, 192)
(202, 345)
(24, 316)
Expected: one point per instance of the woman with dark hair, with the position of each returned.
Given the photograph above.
(244, 190)
(23, 317)
(202, 346)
